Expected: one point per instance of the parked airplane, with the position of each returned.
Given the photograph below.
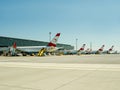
(88, 50)
(81, 50)
(99, 51)
(110, 51)
(51, 47)
(8, 50)
(71, 52)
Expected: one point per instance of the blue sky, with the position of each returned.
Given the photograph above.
(96, 21)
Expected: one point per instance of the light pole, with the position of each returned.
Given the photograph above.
(49, 36)
(76, 43)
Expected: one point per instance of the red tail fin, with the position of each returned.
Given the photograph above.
(54, 40)
(82, 48)
(111, 48)
(101, 49)
(14, 45)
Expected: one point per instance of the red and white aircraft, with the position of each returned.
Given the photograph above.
(81, 50)
(71, 52)
(34, 49)
(51, 47)
(99, 51)
(109, 51)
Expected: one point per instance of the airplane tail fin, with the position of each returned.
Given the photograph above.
(111, 48)
(82, 48)
(13, 49)
(53, 42)
(14, 45)
(101, 49)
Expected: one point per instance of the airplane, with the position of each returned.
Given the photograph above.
(51, 47)
(8, 50)
(109, 51)
(81, 50)
(29, 50)
(71, 52)
(87, 51)
(99, 51)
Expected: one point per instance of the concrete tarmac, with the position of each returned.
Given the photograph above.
(85, 72)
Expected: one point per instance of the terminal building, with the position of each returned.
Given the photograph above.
(8, 41)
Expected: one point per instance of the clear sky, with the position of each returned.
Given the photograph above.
(96, 21)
